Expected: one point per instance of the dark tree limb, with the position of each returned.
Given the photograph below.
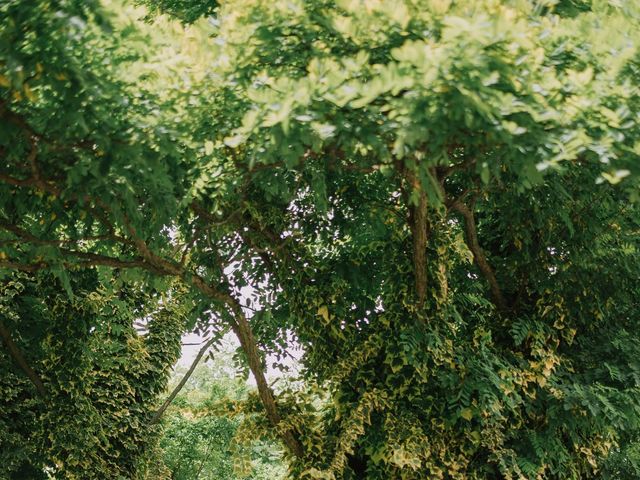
(478, 254)
(20, 360)
(158, 414)
(418, 223)
(84, 259)
(240, 326)
(243, 331)
(27, 237)
(22, 267)
(23, 235)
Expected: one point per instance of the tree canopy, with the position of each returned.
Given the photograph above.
(437, 200)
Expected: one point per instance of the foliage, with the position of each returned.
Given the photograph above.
(102, 379)
(437, 200)
(201, 439)
(623, 463)
(186, 10)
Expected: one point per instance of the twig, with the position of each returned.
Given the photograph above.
(158, 414)
(451, 169)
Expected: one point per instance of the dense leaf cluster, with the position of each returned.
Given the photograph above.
(101, 379)
(437, 200)
(207, 436)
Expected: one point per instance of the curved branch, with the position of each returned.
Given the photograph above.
(18, 357)
(241, 328)
(478, 255)
(158, 414)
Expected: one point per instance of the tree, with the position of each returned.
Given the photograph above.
(438, 200)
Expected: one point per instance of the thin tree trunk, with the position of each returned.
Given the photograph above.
(243, 331)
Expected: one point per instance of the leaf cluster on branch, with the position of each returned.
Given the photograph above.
(437, 201)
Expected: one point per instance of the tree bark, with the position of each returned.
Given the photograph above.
(243, 331)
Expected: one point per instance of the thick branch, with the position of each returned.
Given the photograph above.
(28, 237)
(478, 254)
(162, 266)
(456, 167)
(30, 182)
(240, 327)
(22, 267)
(17, 182)
(243, 331)
(418, 224)
(17, 357)
(90, 260)
(158, 414)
